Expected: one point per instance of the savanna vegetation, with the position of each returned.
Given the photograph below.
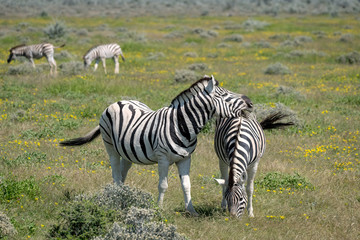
(307, 185)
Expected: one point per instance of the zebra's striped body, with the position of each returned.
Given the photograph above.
(101, 52)
(35, 51)
(133, 133)
(239, 144)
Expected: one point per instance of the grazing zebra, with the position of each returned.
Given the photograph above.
(101, 52)
(133, 133)
(35, 51)
(240, 143)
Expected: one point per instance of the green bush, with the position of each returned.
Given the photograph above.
(82, 219)
(12, 188)
(55, 31)
(276, 180)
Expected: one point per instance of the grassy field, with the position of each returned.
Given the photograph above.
(37, 111)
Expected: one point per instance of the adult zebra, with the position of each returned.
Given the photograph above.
(101, 52)
(240, 143)
(35, 51)
(133, 133)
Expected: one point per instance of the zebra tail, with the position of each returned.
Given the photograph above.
(82, 140)
(122, 56)
(270, 121)
(63, 45)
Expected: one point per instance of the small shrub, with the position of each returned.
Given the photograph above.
(22, 69)
(234, 38)
(82, 32)
(138, 225)
(346, 38)
(156, 56)
(223, 45)
(12, 188)
(277, 69)
(191, 54)
(276, 180)
(185, 75)
(120, 197)
(263, 44)
(350, 58)
(27, 158)
(6, 227)
(55, 31)
(262, 111)
(174, 34)
(82, 219)
(198, 67)
(290, 43)
(288, 91)
(251, 24)
(303, 39)
(72, 68)
(63, 55)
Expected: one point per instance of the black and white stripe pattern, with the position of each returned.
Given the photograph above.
(101, 52)
(133, 133)
(35, 51)
(239, 144)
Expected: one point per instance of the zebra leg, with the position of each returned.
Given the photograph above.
(115, 163)
(224, 170)
(52, 64)
(116, 61)
(32, 62)
(163, 168)
(184, 170)
(103, 60)
(96, 64)
(124, 168)
(251, 171)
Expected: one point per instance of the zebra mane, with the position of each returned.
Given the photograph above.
(17, 46)
(188, 91)
(92, 48)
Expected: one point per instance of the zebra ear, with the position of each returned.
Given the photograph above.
(210, 88)
(220, 181)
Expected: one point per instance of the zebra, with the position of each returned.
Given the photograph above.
(133, 133)
(239, 144)
(101, 52)
(35, 51)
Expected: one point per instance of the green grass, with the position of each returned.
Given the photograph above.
(37, 111)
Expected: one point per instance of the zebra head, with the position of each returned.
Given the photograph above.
(13, 52)
(87, 61)
(235, 195)
(229, 104)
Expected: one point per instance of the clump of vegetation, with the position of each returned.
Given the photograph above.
(290, 43)
(303, 53)
(263, 110)
(303, 39)
(263, 44)
(6, 227)
(156, 56)
(289, 91)
(346, 38)
(82, 219)
(198, 67)
(131, 213)
(11, 188)
(252, 24)
(350, 58)
(185, 75)
(55, 31)
(120, 197)
(234, 38)
(21, 69)
(276, 180)
(138, 225)
(191, 54)
(277, 69)
(223, 45)
(63, 55)
(71, 68)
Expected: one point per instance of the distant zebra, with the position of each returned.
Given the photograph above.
(35, 51)
(101, 52)
(240, 143)
(133, 133)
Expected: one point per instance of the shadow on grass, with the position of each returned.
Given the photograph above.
(204, 211)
